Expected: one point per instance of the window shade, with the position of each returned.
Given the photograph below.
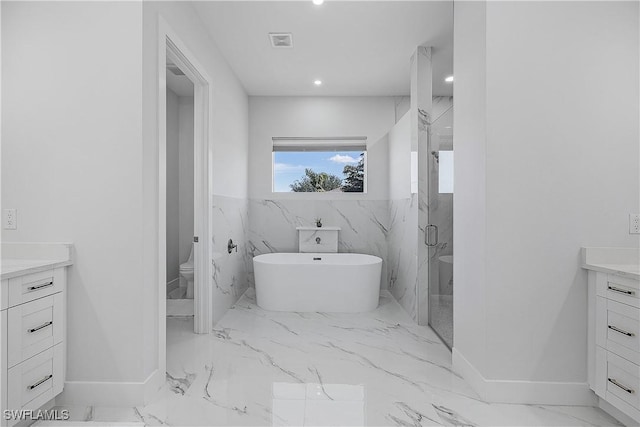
(355, 143)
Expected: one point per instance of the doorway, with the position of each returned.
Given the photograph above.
(180, 175)
(171, 50)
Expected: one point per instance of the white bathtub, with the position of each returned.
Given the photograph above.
(342, 283)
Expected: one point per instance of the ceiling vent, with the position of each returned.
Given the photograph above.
(174, 69)
(281, 40)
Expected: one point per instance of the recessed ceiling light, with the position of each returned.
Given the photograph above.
(318, 2)
(449, 79)
(317, 82)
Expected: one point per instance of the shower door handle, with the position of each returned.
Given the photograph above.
(427, 235)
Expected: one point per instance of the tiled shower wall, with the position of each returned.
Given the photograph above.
(402, 252)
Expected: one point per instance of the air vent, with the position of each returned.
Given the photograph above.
(175, 69)
(281, 40)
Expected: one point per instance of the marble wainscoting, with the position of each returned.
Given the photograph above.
(402, 253)
(230, 220)
(363, 223)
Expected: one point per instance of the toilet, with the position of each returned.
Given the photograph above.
(186, 271)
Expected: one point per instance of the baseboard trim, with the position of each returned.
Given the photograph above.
(153, 384)
(523, 392)
(103, 393)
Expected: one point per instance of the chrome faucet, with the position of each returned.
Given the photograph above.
(231, 246)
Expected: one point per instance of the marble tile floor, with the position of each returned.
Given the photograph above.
(263, 368)
(180, 307)
(178, 292)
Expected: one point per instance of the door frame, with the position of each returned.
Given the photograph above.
(171, 46)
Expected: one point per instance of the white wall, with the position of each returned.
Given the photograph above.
(469, 198)
(71, 165)
(400, 159)
(546, 151)
(318, 117)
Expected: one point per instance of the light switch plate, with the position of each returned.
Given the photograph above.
(9, 219)
(634, 223)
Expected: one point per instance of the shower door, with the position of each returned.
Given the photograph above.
(439, 236)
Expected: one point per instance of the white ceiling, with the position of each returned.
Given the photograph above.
(357, 48)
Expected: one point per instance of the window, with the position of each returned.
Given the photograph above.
(445, 175)
(320, 165)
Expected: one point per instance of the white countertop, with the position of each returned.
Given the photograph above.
(19, 267)
(623, 262)
(19, 259)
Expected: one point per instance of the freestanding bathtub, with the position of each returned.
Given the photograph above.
(329, 282)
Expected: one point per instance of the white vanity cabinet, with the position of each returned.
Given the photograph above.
(614, 335)
(32, 333)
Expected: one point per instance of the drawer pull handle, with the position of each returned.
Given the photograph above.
(621, 291)
(629, 334)
(38, 287)
(49, 324)
(617, 384)
(42, 381)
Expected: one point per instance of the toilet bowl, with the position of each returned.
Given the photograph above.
(186, 271)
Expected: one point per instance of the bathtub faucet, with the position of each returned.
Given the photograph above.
(231, 246)
(318, 240)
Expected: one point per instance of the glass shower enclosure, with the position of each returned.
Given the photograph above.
(439, 237)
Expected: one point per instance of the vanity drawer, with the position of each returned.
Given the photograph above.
(37, 285)
(623, 380)
(618, 328)
(34, 327)
(620, 289)
(35, 381)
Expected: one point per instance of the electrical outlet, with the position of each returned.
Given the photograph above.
(634, 223)
(9, 219)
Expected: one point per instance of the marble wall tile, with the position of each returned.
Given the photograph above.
(364, 225)
(421, 119)
(230, 219)
(402, 253)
